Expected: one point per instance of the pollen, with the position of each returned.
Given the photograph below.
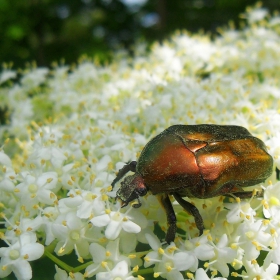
(160, 251)
(265, 204)
(274, 201)
(104, 197)
(168, 268)
(49, 180)
(254, 262)
(135, 268)
(146, 259)
(172, 249)
(61, 250)
(209, 237)
(214, 272)
(108, 254)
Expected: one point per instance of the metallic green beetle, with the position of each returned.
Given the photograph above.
(200, 161)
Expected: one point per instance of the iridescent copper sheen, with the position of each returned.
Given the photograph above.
(199, 161)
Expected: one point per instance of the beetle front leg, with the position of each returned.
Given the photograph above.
(191, 209)
(171, 217)
(128, 167)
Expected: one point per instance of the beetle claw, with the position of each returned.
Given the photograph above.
(136, 205)
(123, 204)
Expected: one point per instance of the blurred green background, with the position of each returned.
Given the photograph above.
(51, 30)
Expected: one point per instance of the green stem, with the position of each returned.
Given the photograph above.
(65, 266)
(59, 262)
(145, 271)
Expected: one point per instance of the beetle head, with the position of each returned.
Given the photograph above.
(131, 188)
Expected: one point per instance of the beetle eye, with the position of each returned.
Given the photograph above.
(142, 190)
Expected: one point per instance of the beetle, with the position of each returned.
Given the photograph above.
(196, 161)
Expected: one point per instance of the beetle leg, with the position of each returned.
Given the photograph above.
(128, 167)
(171, 217)
(277, 174)
(134, 205)
(191, 209)
(137, 205)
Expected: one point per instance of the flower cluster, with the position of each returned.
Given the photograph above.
(71, 129)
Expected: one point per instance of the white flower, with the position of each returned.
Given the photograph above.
(253, 238)
(273, 255)
(37, 189)
(200, 274)
(49, 216)
(223, 255)
(62, 275)
(255, 271)
(55, 155)
(119, 271)
(16, 257)
(115, 221)
(271, 207)
(26, 225)
(8, 178)
(104, 257)
(5, 160)
(169, 261)
(70, 231)
(256, 14)
(87, 203)
(199, 249)
(240, 211)
(35, 77)
(7, 74)
(274, 145)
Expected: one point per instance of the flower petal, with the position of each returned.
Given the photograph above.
(113, 230)
(34, 251)
(129, 226)
(22, 270)
(100, 221)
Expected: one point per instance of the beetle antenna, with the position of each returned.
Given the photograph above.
(128, 167)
